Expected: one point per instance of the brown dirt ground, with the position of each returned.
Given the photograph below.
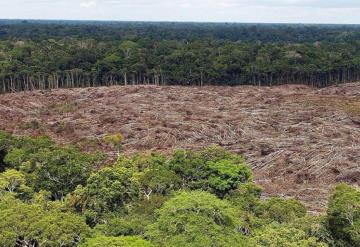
(299, 141)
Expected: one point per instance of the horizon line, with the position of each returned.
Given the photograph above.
(178, 21)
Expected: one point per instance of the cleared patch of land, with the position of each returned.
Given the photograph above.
(300, 141)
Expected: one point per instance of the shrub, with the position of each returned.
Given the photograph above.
(276, 235)
(246, 197)
(114, 140)
(124, 226)
(197, 219)
(152, 173)
(59, 170)
(48, 167)
(108, 190)
(102, 241)
(213, 169)
(343, 218)
(14, 181)
(31, 225)
(281, 210)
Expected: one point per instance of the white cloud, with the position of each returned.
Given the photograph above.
(314, 11)
(88, 4)
(185, 4)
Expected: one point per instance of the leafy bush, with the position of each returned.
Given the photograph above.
(277, 235)
(20, 149)
(48, 167)
(213, 169)
(5, 143)
(108, 190)
(343, 218)
(102, 241)
(197, 219)
(281, 210)
(129, 225)
(152, 173)
(314, 226)
(142, 161)
(246, 196)
(13, 181)
(32, 225)
(60, 170)
(114, 140)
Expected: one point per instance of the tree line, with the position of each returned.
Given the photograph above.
(77, 62)
(58, 196)
(114, 30)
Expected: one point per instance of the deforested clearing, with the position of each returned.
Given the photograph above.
(300, 141)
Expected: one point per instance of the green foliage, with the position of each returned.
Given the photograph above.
(11, 180)
(61, 170)
(246, 197)
(281, 210)
(116, 242)
(343, 218)
(14, 181)
(142, 214)
(47, 167)
(203, 198)
(59, 228)
(158, 180)
(314, 226)
(124, 226)
(16, 157)
(213, 169)
(114, 140)
(142, 161)
(197, 219)
(31, 224)
(19, 150)
(225, 176)
(277, 235)
(148, 207)
(152, 173)
(5, 143)
(63, 55)
(108, 190)
(5, 140)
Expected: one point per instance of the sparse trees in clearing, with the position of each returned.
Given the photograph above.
(115, 141)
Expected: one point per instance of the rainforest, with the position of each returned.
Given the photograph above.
(67, 54)
(179, 134)
(57, 196)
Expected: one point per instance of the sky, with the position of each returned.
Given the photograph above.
(268, 11)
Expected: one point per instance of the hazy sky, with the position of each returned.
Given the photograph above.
(305, 11)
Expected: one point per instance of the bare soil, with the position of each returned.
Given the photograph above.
(300, 141)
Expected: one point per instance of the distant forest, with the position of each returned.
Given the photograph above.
(65, 54)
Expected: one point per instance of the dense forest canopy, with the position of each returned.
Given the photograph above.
(63, 54)
(57, 196)
(246, 32)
